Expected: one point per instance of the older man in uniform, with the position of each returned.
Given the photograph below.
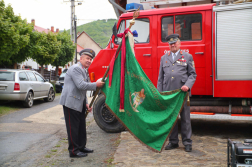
(177, 72)
(74, 101)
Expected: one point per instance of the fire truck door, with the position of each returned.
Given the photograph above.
(190, 28)
(143, 47)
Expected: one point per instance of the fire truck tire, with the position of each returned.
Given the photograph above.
(104, 118)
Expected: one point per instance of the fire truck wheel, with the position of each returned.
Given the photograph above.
(103, 117)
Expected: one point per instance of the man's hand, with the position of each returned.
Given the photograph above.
(99, 83)
(184, 88)
(88, 109)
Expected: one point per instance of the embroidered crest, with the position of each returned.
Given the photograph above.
(165, 61)
(193, 64)
(138, 98)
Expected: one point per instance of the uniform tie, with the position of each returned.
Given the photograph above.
(173, 56)
(88, 80)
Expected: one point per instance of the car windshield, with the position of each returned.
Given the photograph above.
(62, 74)
(7, 76)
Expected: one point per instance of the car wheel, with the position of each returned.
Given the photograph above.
(51, 96)
(29, 100)
(103, 117)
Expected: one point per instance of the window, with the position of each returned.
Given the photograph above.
(7, 76)
(39, 78)
(167, 27)
(142, 26)
(23, 77)
(120, 30)
(189, 27)
(32, 76)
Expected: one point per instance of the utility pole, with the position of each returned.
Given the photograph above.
(72, 29)
(73, 19)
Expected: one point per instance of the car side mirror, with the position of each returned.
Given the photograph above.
(114, 30)
(47, 80)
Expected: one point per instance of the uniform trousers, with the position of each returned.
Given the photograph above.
(76, 129)
(186, 129)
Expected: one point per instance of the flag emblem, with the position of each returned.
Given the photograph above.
(149, 115)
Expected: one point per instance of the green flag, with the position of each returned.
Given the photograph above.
(149, 115)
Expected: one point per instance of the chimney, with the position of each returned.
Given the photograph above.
(33, 22)
(52, 28)
(57, 30)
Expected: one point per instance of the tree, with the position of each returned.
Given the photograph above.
(14, 36)
(67, 49)
(45, 48)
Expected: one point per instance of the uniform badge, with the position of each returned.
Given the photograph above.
(193, 64)
(165, 61)
(182, 61)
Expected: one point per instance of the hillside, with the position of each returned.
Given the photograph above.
(100, 30)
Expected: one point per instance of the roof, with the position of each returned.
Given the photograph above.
(172, 10)
(79, 48)
(40, 29)
(83, 32)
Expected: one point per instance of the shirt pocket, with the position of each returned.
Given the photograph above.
(166, 69)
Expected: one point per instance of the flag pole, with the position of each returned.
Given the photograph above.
(132, 22)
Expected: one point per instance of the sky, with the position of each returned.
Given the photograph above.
(57, 13)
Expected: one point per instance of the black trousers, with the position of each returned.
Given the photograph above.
(76, 129)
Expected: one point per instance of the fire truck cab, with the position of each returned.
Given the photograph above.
(218, 37)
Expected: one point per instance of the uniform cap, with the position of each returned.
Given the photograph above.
(88, 52)
(172, 38)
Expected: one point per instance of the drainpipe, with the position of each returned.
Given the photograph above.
(118, 7)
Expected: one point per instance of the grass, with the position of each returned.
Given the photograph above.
(48, 156)
(57, 94)
(109, 160)
(7, 107)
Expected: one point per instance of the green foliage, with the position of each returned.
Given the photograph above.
(45, 47)
(14, 35)
(100, 30)
(67, 49)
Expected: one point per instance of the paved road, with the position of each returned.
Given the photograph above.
(37, 137)
(209, 146)
(23, 135)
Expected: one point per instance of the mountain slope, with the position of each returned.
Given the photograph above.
(100, 30)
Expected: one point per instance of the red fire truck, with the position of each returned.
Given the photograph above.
(219, 38)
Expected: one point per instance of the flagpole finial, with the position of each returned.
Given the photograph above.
(135, 15)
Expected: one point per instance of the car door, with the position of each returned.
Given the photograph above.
(44, 87)
(24, 83)
(35, 85)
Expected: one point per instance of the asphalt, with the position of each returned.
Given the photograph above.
(209, 146)
(38, 137)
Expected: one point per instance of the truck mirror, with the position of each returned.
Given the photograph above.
(114, 30)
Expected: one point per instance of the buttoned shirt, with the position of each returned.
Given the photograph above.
(175, 54)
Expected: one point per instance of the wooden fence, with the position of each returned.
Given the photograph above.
(51, 75)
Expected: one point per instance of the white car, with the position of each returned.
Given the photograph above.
(24, 85)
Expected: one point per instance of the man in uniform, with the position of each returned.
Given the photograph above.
(74, 101)
(177, 72)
